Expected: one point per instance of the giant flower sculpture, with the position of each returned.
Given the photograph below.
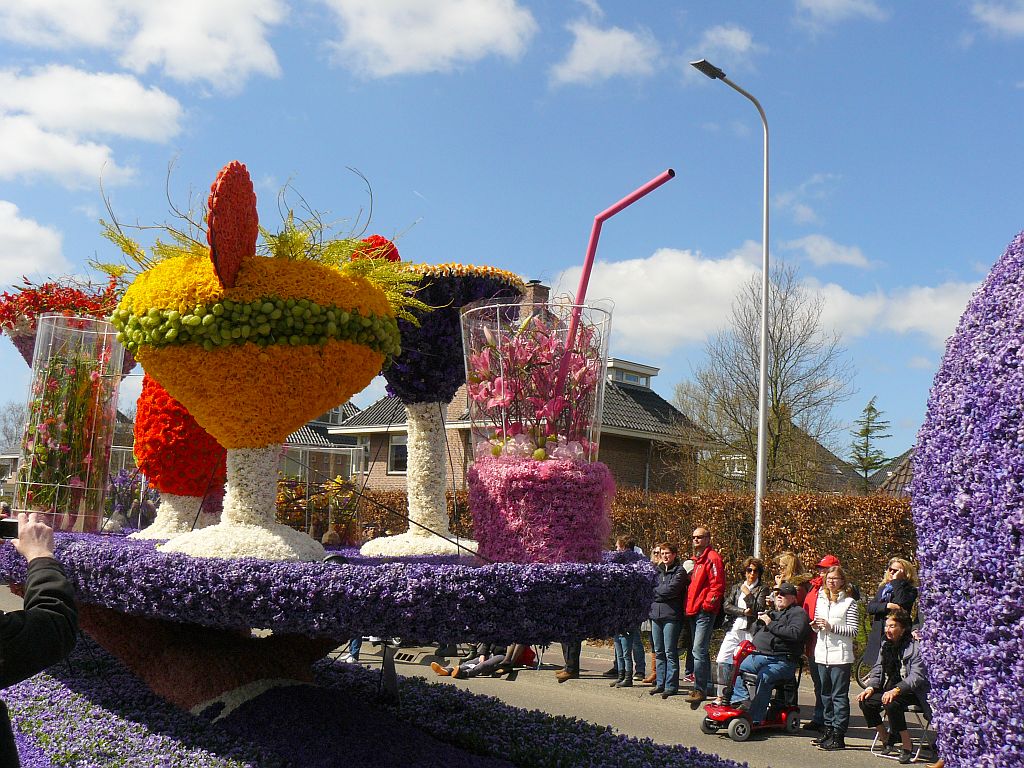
(968, 510)
(254, 347)
(425, 377)
(180, 459)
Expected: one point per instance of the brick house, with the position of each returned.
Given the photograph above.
(641, 435)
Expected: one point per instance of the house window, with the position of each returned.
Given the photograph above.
(362, 459)
(397, 455)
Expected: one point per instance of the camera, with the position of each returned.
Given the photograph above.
(9, 528)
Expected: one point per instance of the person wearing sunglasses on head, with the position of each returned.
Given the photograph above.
(898, 589)
(745, 600)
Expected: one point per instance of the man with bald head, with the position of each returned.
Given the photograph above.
(703, 602)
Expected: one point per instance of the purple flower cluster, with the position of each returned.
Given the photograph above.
(501, 602)
(92, 712)
(968, 504)
(431, 367)
(531, 738)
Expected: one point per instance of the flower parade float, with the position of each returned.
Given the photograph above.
(181, 460)
(425, 378)
(254, 347)
(968, 511)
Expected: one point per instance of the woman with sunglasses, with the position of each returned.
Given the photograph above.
(667, 612)
(744, 601)
(898, 589)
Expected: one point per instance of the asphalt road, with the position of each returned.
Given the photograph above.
(633, 712)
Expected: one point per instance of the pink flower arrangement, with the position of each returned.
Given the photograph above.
(521, 402)
(527, 511)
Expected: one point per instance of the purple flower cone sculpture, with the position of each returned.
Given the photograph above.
(968, 503)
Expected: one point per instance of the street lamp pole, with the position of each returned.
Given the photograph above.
(707, 68)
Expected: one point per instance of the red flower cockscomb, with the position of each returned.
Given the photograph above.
(377, 247)
(172, 450)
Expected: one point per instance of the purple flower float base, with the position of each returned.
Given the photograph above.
(421, 601)
(528, 511)
(968, 504)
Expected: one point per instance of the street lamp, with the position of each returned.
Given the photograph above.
(707, 68)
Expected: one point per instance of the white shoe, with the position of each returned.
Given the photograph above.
(348, 658)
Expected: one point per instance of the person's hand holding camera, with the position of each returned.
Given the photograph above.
(35, 539)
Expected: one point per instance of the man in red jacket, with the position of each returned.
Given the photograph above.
(703, 602)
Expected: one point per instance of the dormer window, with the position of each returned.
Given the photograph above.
(637, 374)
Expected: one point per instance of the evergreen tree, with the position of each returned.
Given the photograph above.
(865, 455)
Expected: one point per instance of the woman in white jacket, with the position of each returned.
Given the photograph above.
(836, 619)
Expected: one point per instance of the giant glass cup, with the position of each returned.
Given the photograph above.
(537, 491)
(72, 412)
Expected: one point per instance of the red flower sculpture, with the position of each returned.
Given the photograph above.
(377, 247)
(232, 221)
(172, 450)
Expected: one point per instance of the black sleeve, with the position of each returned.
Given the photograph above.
(877, 608)
(904, 595)
(672, 588)
(43, 632)
(732, 600)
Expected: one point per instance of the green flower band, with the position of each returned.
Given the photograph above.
(264, 322)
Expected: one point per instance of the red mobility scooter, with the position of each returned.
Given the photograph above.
(783, 712)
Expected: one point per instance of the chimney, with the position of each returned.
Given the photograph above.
(535, 292)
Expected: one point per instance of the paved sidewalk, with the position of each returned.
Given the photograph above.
(633, 712)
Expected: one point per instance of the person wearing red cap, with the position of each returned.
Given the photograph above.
(817, 721)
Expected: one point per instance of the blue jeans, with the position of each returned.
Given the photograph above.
(769, 670)
(353, 647)
(626, 655)
(665, 635)
(835, 695)
(700, 635)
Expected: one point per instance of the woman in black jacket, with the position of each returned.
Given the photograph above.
(743, 602)
(667, 613)
(898, 590)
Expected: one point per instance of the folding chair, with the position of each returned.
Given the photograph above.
(923, 738)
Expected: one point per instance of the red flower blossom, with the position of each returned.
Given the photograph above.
(377, 247)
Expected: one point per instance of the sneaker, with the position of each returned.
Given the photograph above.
(439, 670)
(906, 756)
(689, 678)
(348, 658)
(613, 672)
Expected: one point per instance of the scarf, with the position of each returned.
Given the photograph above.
(891, 673)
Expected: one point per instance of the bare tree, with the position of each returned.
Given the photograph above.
(808, 375)
(13, 416)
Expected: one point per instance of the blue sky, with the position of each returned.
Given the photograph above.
(492, 131)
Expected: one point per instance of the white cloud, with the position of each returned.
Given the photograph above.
(669, 299)
(678, 297)
(391, 37)
(921, 363)
(1001, 18)
(27, 247)
(222, 43)
(27, 150)
(67, 100)
(822, 251)
(599, 54)
(797, 202)
(373, 392)
(820, 13)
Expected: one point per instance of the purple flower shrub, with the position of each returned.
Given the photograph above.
(431, 367)
(501, 602)
(968, 505)
(527, 738)
(527, 511)
(30, 753)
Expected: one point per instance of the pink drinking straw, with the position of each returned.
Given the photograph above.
(588, 264)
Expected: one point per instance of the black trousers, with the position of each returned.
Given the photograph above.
(896, 710)
(571, 651)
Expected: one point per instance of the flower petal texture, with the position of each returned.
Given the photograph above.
(968, 506)
(233, 221)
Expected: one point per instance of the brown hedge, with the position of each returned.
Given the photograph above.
(863, 531)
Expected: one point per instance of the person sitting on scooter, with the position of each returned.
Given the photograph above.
(779, 637)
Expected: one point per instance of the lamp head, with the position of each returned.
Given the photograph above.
(707, 68)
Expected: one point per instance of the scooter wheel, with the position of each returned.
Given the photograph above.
(793, 723)
(707, 726)
(739, 729)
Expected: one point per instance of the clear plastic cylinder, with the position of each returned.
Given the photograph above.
(72, 412)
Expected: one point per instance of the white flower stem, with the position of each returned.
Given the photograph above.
(427, 472)
(252, 485)
(175, 515)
